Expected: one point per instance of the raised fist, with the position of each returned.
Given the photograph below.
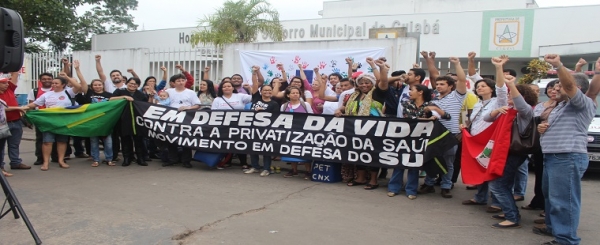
(98, 57)
(454, 60)
(162, 68)
(76, 64)
(472, 55)
(553, 59)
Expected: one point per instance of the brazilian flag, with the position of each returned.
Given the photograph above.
(89, 120)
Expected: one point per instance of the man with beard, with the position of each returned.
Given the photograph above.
(115, 82)
(45, 80)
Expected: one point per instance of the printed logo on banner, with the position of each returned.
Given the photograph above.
(507, 32)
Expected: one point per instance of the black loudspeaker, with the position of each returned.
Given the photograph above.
(12, 43)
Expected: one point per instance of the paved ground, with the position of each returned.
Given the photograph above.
(174, 205)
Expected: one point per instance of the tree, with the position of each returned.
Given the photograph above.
(58, 24)
(239, 21)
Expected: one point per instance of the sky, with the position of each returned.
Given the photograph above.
(158, 14)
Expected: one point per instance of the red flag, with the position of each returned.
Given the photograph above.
(490, 148)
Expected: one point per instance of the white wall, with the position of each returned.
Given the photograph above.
(564, 25)
(338, 9)
(400, 53)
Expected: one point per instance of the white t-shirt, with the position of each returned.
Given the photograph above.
(31, 97)
(330, 107)
(344, 94)
(237, 102)
(308, 94)
(329, 92)
(55, 99)
(110, 87)
(184, 98)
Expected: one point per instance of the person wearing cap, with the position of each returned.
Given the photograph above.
(13, 119)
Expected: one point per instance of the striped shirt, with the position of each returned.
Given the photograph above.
(451, 104)
(569, 122)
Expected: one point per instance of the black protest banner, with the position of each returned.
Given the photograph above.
(373, 141)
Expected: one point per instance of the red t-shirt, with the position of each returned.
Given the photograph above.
(11, 100)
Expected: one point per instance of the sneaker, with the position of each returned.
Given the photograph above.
(264, 173)
(391, 194)
(426, 189)
(446, 193)
(412, 197)
(251, 171)
(542, 230)
(220, 168)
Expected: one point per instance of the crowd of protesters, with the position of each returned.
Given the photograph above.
(559, 164)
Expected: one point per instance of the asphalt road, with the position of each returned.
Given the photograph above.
(175, 205)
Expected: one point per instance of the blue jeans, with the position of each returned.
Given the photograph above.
(266, 162)
(412, 181)
(16, 131)
(446, 178)
(502, 188)
(95, 151)
(520, 182)
(561, 185)
(482, 195)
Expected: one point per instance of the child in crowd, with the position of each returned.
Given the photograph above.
(162, 98)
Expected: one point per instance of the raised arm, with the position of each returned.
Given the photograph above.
(594, 89)
(188, 76)
(206, 75)
(67, 67)
(499, 62)
(566, 79)
(99, 68)
(14, 77)
(430, 60)
(350, 69)
(382, 82)
(374, 68)
(580, 64)
(471, 66)
(130, 70)
(72, 81)
(284, 77)
(83, 83)
(302, 75)
(256, 81)
(461, 84)
(163, 81)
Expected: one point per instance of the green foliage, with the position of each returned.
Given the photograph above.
(239, 21)
(57, 21)
(538, 69)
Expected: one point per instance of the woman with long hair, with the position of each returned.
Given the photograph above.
(56, 98)
(319, 88)
(206, 94)
(128, 142)
(493, 96)
(295, 105)
(367, 100)
(300, 82)
(522, 98)
(261, 101)
(416, 107)
(96, 94)
(228, 98)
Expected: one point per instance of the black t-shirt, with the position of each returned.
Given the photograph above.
(270, 106)
(137, 95)
(92, 97)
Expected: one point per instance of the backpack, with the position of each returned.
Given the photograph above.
(301, 103)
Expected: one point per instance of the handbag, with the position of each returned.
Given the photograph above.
(4, 129)
(526, 143)
(469, 123)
